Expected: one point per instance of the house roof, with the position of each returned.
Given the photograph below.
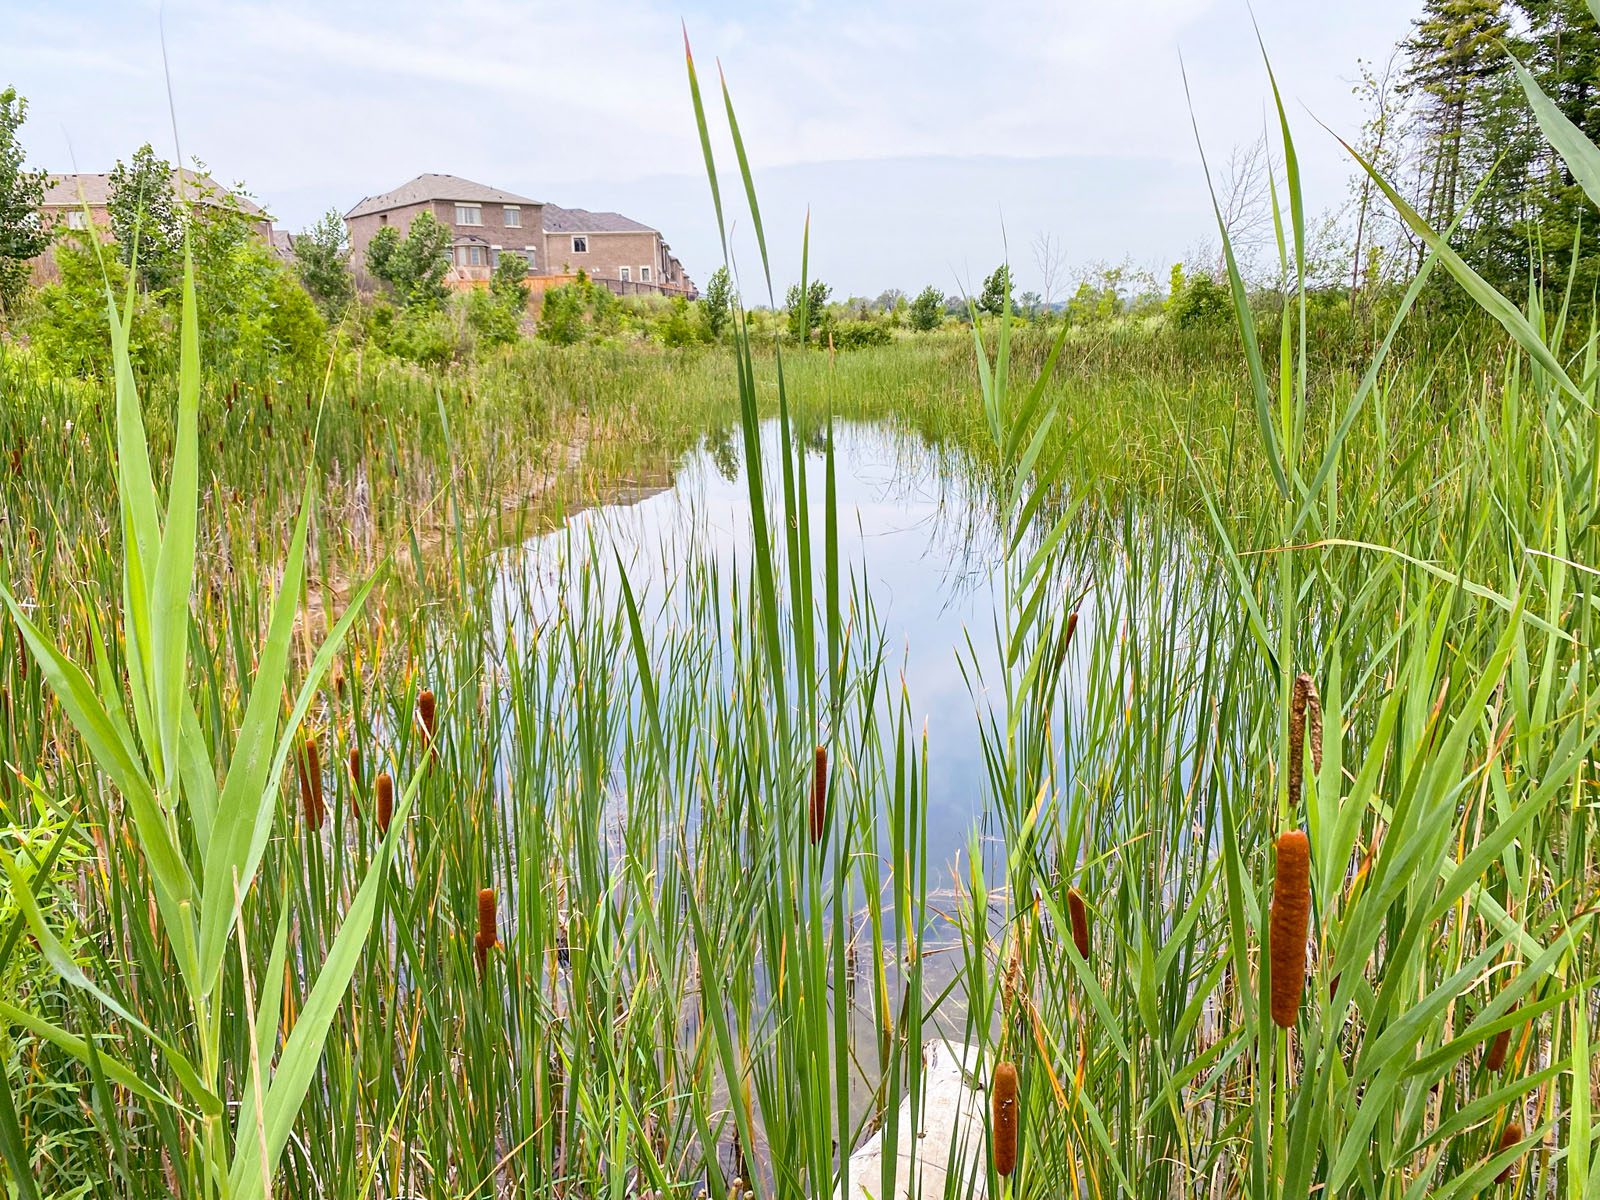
(425, 188)
(73, 191)
(581, 220)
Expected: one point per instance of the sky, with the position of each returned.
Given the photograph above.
(927, 141)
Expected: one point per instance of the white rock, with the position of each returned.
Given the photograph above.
(948, 1147)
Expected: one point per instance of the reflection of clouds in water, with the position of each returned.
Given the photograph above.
(916, 536)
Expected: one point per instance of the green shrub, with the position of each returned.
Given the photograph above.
(857, 335)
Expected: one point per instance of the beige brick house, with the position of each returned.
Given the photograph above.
(486, 223)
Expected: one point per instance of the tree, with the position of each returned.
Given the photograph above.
(996, 295)
(1454, 59)
(414, 265)
(68, 328)
(1050, 256)
(322, 261)
(144, 219)
(805, 309)
(716, 306)
(927, 310)
(22, 233)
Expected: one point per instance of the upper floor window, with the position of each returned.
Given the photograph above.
(469, 214)
(513, 217)
(644, 274)
(580, 245)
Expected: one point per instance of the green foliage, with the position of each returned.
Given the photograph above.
(806, 311)
(579, 311)
(22, 232)
(322, 262)
(67, 322)
(1199, 302)
(858, 335)
(143, 210)
(677, 326)
(927, 310)
(996, 295)
(716, 305)
(414, 266)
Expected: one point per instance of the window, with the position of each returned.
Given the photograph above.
(528, 253)
(472, 256)
(644, 274)
(513, 217)
(622, 274)
(75, 218)
(580, 245)
(469, 214)
(494, 256)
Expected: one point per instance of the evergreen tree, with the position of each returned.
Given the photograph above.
(22, 233)
(996, 294)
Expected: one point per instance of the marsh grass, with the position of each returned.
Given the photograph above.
(1358, 605)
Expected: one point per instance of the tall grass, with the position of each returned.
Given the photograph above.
(655, 909)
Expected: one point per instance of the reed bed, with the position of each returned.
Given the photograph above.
(1296, 698)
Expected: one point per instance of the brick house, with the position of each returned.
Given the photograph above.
(614, 249)
(82, 201)
(487, 222)
(484, 222)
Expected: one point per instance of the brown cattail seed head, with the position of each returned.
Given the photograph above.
(1297, 737)
(1508, 1139)
(1314, 712)
(355, 765)
(1290, 925)
(486, 939)
(308, 765)
(427, 713)
(385, 789)
(1004, 1105)
(1078, 914)
(1496, 1059)
(819, 795)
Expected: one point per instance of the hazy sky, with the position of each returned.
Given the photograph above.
(924, 137)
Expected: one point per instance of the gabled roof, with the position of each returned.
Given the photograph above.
(426, 188)
(73, 191)
(581, 220)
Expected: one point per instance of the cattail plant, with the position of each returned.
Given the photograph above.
(1290, 925)
(1496, 1058)
(308, 765)
(486, 939)
(355, 765)
(1508, 1139)
(819, 795)
(1078, 914)
(385, 805)
(427, 714)
(1003, 1103)
(1298, 700)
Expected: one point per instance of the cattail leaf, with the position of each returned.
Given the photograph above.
(13, 1148)
(248, 793)
(1479, 289)
(173, 579)
(1580, 154)
(116, 1071)
(302, 1051)
(100, 734)
(67, 968)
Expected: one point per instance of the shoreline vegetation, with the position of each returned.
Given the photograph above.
(1286, 880)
